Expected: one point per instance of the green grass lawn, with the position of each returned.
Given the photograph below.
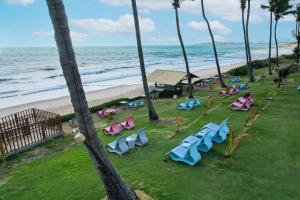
(266, 164)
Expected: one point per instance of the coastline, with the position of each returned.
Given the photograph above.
(63, 106)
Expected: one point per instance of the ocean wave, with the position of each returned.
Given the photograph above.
(9, 92)
(44, 90)
(6, 79)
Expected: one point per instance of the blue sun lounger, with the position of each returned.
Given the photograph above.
(119, 146)
(243, 86)
(217, 132)
(203, 140)
(197, 102)
(235, 79)
(132, 105)
(131, 140)
(189, 105)
(141, 139)
(186, 152)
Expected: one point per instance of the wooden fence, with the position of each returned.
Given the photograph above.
(26, 129)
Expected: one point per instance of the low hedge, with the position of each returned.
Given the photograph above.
(240, 71)
(94, 109)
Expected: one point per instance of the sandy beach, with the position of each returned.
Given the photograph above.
(62, 105)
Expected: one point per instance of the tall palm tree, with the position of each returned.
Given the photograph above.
(214, 46)
(281, 8)
(176, 5)
(270, 7)
(115, 187)
(152, 114)
(297, 30)
(251, 77)
(243, 7)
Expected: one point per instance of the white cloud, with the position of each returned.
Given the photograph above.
(145, 5)
(225, 9)
(20, 2)
(123, 25)
(215, 25)
(76, 37)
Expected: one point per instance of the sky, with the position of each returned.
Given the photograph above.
(26, 23)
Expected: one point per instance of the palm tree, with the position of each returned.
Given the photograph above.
(115, 187)
(214, 46)
(270, 7)
(243, 7)
(176, 5)
(152, 114)
(251, 77)
(281, 8)
(297, 30)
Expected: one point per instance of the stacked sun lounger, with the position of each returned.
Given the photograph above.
(243, 86)
(137, 103)
(243, 103)
(188, 151)
(230, 92)
(116, 128)
(106, 112)
(190, 104)
(123, 144)
(236, 79)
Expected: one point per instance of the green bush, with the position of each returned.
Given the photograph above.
(241, 71)
(94, 109)
(169, 93)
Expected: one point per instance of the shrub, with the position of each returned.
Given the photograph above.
(169, 93)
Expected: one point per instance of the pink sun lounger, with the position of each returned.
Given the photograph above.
(128, 124)
(243, 103)
(232, 91)
(114, 129)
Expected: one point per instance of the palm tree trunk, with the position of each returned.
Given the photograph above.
(246, 46)
(214, 46)
(276, 42)
(298, 40)
(116, 188)
(270, 43)
(248, 43)
(184, 55)
(152, 114)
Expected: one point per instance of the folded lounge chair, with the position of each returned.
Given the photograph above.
(131, 140)
(230, 92)
(186, 152)
(197, 102)
(243, 86)
(141, 139)
(201, 84)
(202, 139)
(243, 103)
(189, 105)
(235, 79)
(133, 105)
(128, 124)
(119, 146)
(218, 133)
(114, 129)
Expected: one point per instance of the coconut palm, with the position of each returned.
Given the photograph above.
(115, 187)
(243, 7)
(214, 46)
(297, 30)
(176, 5)
(270, 8)
(281, 8)
(152, 114)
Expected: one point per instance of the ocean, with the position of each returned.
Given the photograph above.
(33, 74)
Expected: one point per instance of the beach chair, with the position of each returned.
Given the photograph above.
(243, 86)
(235, 79)
(119, 146)
(201, 84)
(141, 139)
(197, 102)
(131, 141)
(114, 129)
(243, 103)
(141, 102)
(188, 105)
(230, 92)
(186, 152)
(218, 133)
(128, 124)
(205, 138)
(132, 105)
(102, 113)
